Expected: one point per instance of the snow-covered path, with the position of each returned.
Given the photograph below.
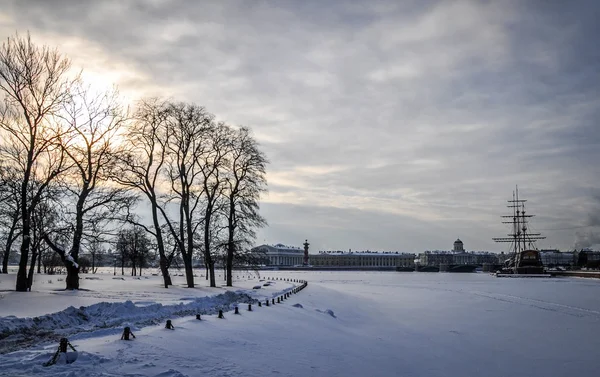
(362, 324)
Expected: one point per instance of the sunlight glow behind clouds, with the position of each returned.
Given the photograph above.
(422, 115)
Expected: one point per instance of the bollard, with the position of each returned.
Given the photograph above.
(273, 301)
(221, 314)
(267, 303)
(259, 304)
(169, 325)
(62, 348)
(249, 307)
(62, 345)
(198, 317)
(126, 333)
(278, 300)
(236, 311)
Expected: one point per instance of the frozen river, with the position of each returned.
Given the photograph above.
(366, 324)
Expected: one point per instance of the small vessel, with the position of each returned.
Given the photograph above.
(524, 256)
(462, 268)
(428, 269)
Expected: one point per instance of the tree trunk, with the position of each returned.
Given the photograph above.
(189, 272)
(34, 256)
(9, 241)
(229, 268)
(164, 263)
(207, 257)
(5, 259)
(39, 259)
(211, 272)
(22, 284)
(165, 271)
(72, 279)
(230, 242)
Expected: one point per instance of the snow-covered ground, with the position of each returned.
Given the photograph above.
(342, 324)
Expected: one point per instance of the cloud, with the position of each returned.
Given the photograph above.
(422, 113)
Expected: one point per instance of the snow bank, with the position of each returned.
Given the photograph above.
(16, 333)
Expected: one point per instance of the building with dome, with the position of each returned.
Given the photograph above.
(458, 246)
(457, 256)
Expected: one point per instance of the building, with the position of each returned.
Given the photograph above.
(458, 256)
(362, 259)
(553, 257)
(487, 257)
(281, 255)
(435, 258)
(458, 246)
(503, 257)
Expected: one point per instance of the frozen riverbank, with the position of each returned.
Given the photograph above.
(363, 324)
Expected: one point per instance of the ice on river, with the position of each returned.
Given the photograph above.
(347, 324)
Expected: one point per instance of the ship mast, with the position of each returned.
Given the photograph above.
(520, 238)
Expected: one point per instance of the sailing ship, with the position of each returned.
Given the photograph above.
(524, 256)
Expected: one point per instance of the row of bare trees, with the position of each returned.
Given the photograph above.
(75, 165)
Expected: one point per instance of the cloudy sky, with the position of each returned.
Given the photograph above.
(390, 125)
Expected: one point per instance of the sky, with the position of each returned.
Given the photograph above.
(389, 125)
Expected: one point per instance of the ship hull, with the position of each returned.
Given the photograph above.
(464, 268)
(405, 269)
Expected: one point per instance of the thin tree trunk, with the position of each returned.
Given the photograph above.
(5, 258)
(72, 279)
(34, 256)
(22, 284)
(164, 268)
(9, 242)
(207, 256)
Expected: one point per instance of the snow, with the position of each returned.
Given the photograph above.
(342, 324)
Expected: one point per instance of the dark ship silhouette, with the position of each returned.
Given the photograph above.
(524, 256)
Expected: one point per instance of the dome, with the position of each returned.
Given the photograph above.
(458, 241)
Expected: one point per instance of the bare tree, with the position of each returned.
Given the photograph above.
(96, 252)
(44, 217)
(35, 83)
(92, 148)
(10, 211)
(188, 125)
(212, 164)
(245, 181)
(141, 169)
(134, 246)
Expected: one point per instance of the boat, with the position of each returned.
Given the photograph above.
(462, 268)
(525, 259)
(428, 269)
